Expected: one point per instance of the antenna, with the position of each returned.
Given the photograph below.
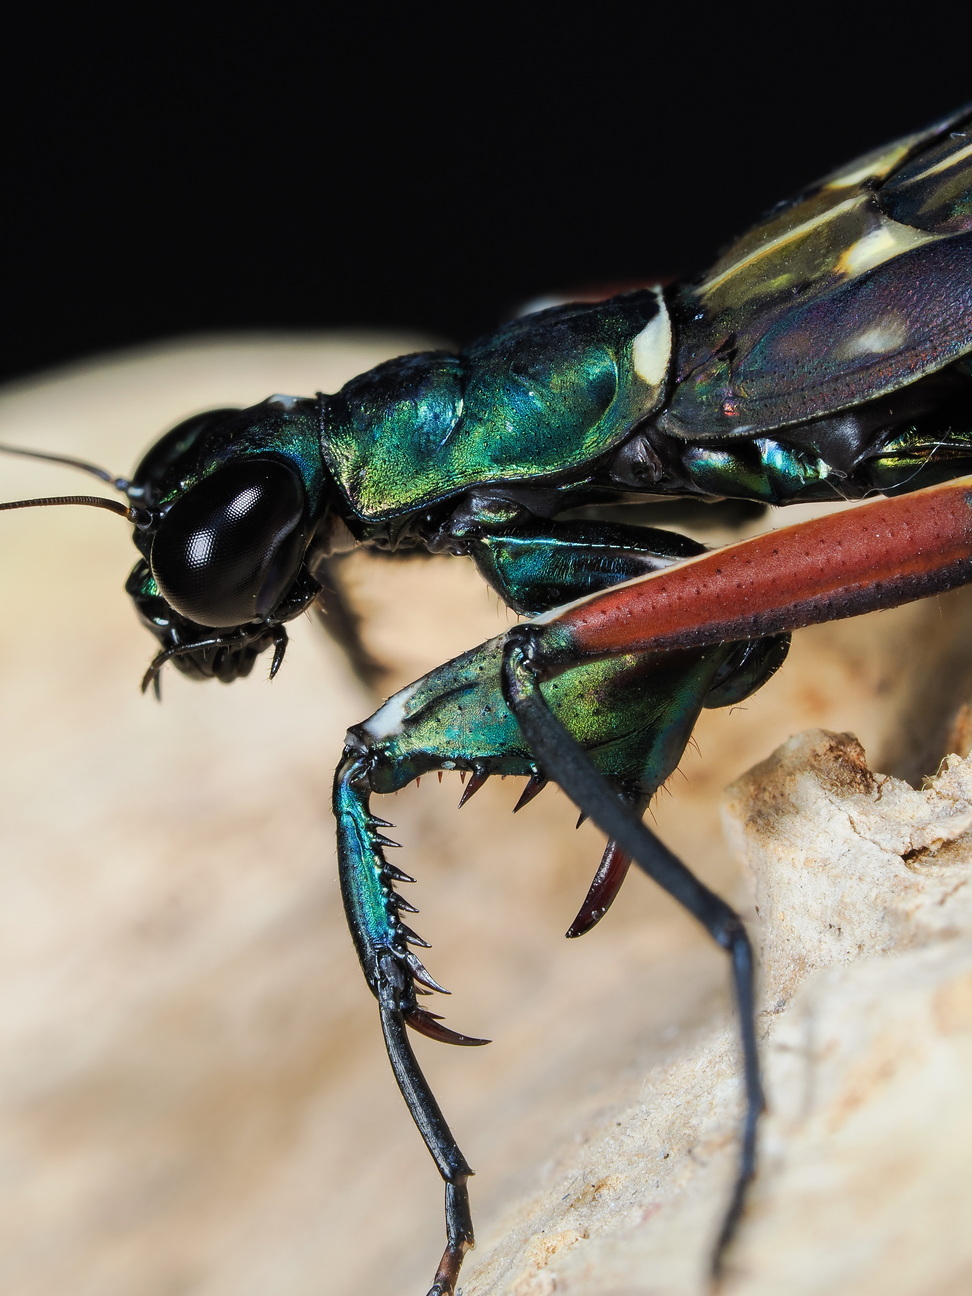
(119, 483)
(95, 501)
(137, 516)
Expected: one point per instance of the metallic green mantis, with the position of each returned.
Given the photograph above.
(826, 356)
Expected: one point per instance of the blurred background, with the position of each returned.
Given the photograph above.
(425, 170)
(193, 1097)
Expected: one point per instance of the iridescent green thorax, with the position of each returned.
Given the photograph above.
(283, 427)
(545, 395)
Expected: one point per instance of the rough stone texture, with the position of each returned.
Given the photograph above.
(193, 1095)
(849, 864)
(862, 887)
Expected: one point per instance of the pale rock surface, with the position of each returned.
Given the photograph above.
(865, 913)
(863, 889)
(194, 1099)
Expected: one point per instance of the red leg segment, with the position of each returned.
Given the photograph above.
(881, 554)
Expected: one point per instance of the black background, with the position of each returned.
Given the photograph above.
(215, 171)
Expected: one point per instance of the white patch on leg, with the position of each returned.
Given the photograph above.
(389, 720)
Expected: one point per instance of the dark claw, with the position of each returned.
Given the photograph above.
(422, 974)
(397, 874)
(429, 1024)
(607, 881)
(151, 676)
(535, 785)
(402, 904)
(279, 649)
(478, 779)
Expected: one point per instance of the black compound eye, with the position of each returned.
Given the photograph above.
(227, 551)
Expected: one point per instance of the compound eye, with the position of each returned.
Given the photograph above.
(227, 551)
